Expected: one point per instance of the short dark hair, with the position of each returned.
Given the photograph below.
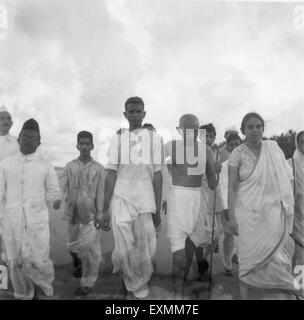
(84, 134)
(247, 117)
(232, 136)
(209, 128)
(135, 100)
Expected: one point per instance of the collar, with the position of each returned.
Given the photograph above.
(91, 161)
(28, 157)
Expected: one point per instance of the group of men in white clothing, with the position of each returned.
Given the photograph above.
(126, 194)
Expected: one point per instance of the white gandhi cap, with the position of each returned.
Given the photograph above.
(3, 108)
(232, 128)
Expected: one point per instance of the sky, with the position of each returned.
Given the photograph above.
(71, 65)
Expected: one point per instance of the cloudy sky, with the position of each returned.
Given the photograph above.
(71, 64)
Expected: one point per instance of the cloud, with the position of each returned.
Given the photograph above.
(63, 63)
(71, 64)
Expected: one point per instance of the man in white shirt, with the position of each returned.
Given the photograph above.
(223, 152)
(133, 197)
(232, 141)
(27, 181)
(8, 145)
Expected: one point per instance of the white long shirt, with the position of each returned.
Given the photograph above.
(26, 182)
(136, 156)
(8, 146)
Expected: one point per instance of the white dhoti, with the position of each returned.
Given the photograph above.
(85, 241)
(26, 183)
(185, 218)
(207, 208)
(32, 267)
(25, 275)
(135, 245)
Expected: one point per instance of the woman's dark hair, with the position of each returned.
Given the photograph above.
(247, 117)
(298, 136)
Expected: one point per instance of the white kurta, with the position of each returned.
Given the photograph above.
(8, 146)
(136, 156)
(26, 182)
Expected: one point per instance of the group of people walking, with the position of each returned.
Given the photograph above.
(246, 191)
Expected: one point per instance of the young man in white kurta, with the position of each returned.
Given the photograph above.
(134, 188)
(189, 161)
(26, 183)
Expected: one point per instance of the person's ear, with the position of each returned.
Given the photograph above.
(92, 146)
(125, 114)
(144, 114)
(77, 146)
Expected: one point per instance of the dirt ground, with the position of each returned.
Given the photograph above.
(108, 285)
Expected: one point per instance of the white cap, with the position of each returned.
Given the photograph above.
(232, 128)
(3, 108)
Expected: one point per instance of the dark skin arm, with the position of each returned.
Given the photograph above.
(210, 170)
(157, 185)
(109, 189)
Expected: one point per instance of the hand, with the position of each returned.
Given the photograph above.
(97, 223)
(105, 221)
(57, 204)
(233, 226)
(156, 219)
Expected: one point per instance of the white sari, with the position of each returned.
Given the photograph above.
(264, 213)
(297, 163)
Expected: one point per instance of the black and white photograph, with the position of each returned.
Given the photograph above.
(151, 150)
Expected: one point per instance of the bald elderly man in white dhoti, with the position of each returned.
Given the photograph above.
(27, 181)
(188, 160)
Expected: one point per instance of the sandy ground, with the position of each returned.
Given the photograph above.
(108, 285)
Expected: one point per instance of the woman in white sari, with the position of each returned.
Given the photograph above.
(297, 164)
(260, 204)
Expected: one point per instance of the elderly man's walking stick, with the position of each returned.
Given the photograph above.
(212, 233)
